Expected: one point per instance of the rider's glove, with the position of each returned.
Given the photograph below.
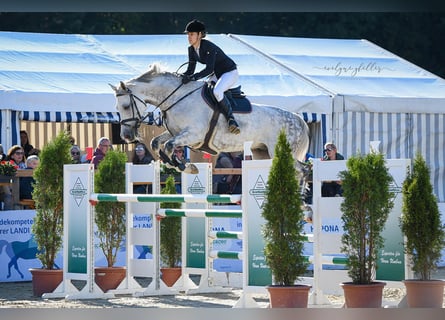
(186, 78)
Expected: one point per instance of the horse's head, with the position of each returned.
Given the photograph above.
(131, 110)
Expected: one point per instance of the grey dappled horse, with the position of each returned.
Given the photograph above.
(186, 117)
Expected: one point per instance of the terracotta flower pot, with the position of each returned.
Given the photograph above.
(109, 278)
(288, 296)
(363, 295)
(424, 293)
(170, 275)
(45, 281)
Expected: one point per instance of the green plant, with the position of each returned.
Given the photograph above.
(170, 229)
(282, 211)
(365, 209)
(110, 216)
(48, 197)
(8, 168)
(420, 222)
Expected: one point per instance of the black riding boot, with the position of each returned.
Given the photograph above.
(226, 110)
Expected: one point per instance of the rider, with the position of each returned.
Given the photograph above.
(217, 62)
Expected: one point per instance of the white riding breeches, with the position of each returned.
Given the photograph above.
(225, 82)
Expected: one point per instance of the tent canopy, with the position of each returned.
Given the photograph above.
(71, 72)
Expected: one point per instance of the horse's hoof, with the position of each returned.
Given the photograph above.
(191, 169)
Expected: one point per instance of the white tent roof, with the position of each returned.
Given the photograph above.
(53, 72)
(365, 76)
(58, 72)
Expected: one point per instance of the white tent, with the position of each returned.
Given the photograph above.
(352, 90)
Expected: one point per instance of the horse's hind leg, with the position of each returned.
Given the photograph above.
(11, 263)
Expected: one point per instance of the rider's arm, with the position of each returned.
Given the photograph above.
(192, 61)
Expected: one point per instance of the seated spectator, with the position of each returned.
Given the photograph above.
(103, 145)
(331, 188)
(27, 183)
(2, 153)
(228, 184)
(16, 154)
(33, 152)
(75, 154)
(141, 155)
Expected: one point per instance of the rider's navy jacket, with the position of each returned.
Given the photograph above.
(213, 57)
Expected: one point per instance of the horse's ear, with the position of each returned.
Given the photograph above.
(113, 87)
(123, 86)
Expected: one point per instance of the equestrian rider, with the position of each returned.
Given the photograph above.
(217, 62)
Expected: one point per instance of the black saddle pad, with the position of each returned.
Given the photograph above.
(239, 102)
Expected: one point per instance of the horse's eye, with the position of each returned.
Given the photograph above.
(126, 106)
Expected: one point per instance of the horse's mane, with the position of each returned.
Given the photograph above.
(153, 69)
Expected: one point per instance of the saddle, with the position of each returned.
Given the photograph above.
(238, 101)
(237, 98)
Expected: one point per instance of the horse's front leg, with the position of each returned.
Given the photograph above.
(180, 140)
(159, 141)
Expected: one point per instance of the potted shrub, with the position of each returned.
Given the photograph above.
(171, 247)
(110, 218)
(365, 209)
(283, 230)
(425, 236)
(47, 228)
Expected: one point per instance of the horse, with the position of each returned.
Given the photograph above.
(187, 117)
(19, 250)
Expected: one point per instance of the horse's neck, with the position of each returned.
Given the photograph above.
(171, 89)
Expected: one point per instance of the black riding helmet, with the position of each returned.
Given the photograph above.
(195, 26)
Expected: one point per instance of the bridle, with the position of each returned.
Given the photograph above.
(138, 117)
(134, 109)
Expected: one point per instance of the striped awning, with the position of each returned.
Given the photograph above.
(313, 117)
(109, 117)
(56, 116)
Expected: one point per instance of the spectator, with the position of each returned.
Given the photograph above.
(228, 184)
(16, 154)
(141, 155)
(2, 153)
(24, 141)
(331, 188)
(27, 183)
(308, 187)
(75, 154)
(103, 145)
(179, 157)
(33, 152)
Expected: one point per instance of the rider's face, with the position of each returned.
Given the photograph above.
(194, 38)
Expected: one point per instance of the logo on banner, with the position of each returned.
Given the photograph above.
(259, 191)
(196, 187)
(78, 192)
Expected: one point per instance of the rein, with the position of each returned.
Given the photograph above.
(140, 118)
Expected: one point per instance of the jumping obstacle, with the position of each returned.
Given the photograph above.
(200, 213)
(178, 198)
(197, 207)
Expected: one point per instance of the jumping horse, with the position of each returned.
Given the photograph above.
(187, 118)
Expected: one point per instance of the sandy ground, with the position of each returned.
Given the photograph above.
(19, 295)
